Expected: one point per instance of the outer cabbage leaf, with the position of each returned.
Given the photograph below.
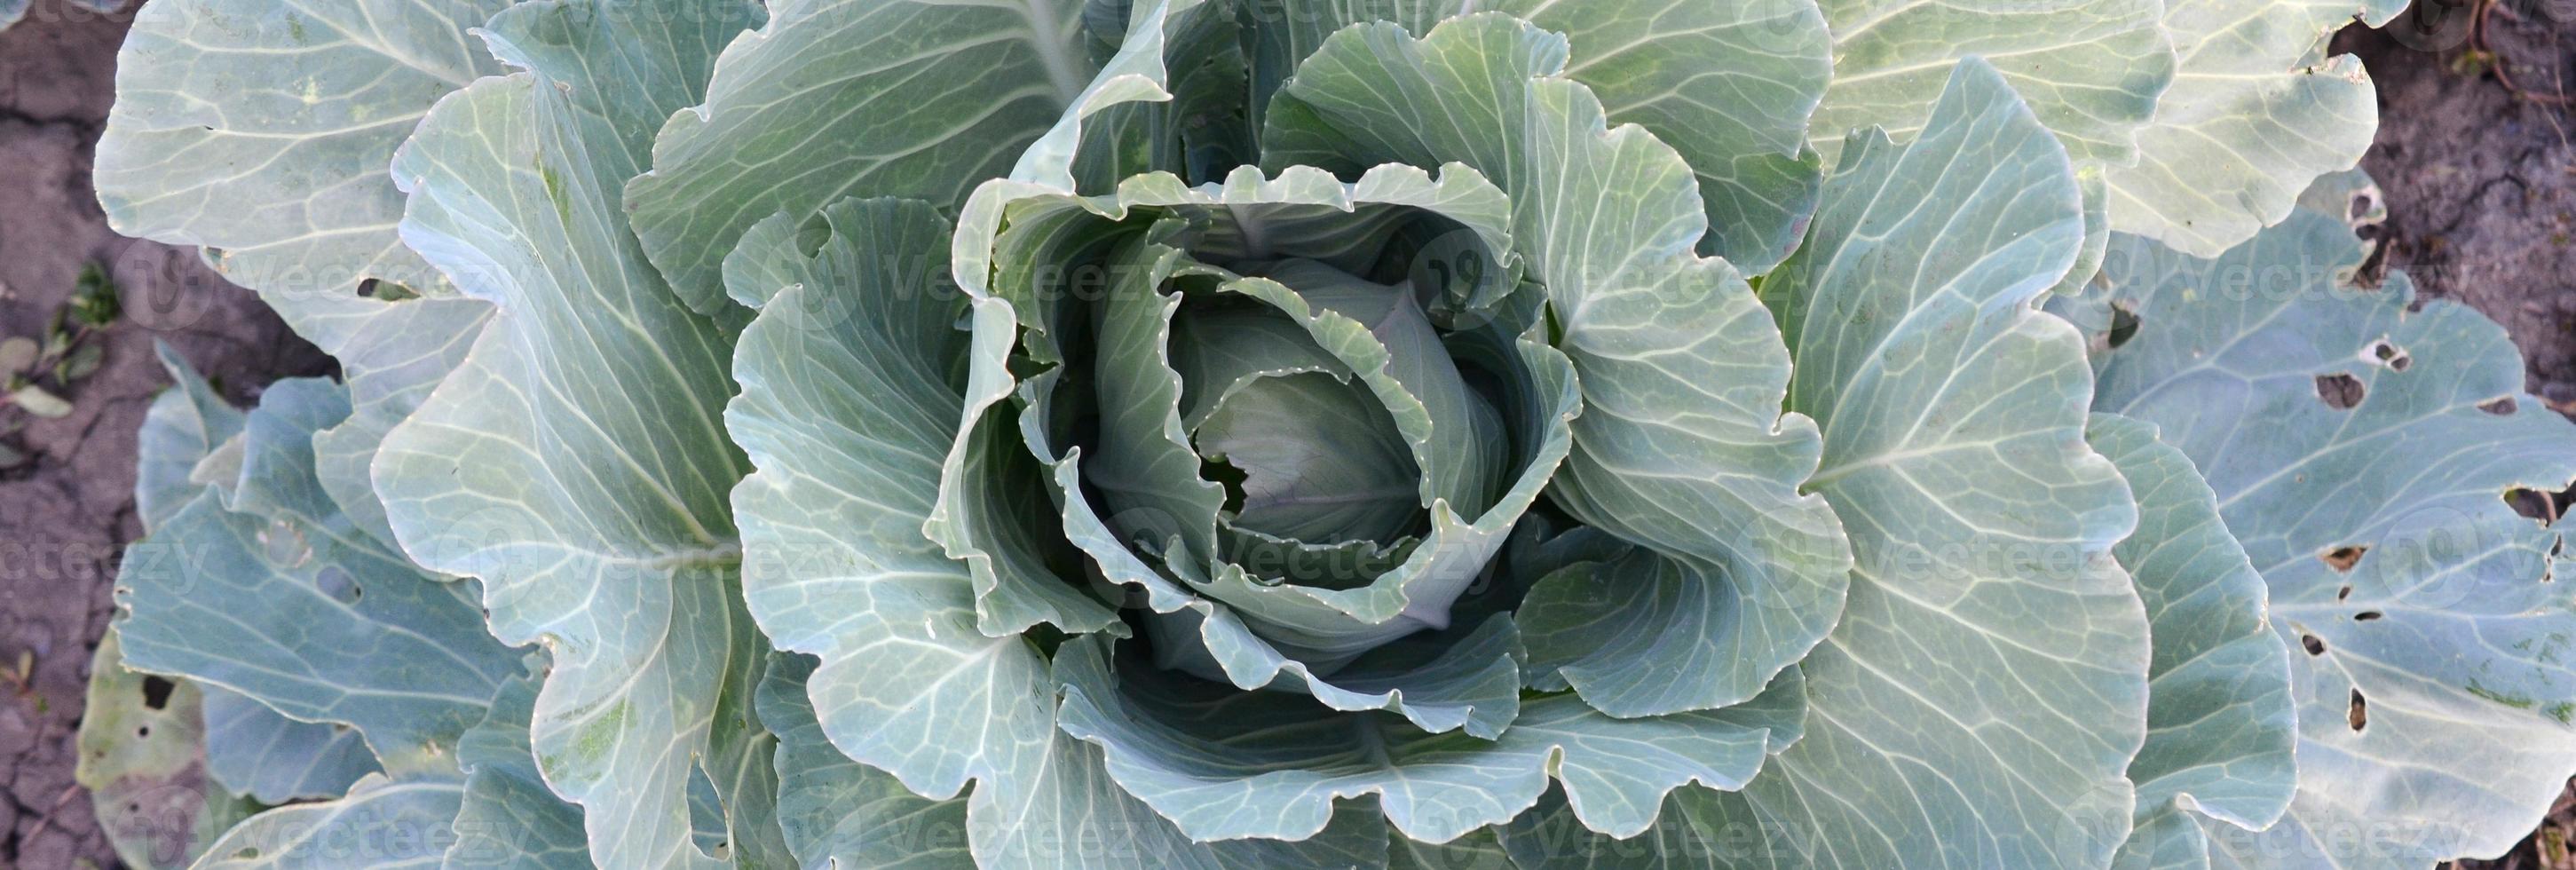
(2256, 111)
(1475, 850)
(587, 490)
(1223, 764)
(257, 752)
(391, 354)
(835, 98)
(2426, 639)
(2208, 116)
(507, 818)
(381, 824)
(869, 591)
(1681, 447)
(2091, 70)
(840, 813)
(1074, 815)
(2220, 726)
(2091, 178)
(182, 426)
(1728, 85)
(1979, 704)
(261, 129)
(1689, 831)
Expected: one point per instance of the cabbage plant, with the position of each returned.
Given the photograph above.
(1213, 433)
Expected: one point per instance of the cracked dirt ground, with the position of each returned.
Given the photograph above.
(2476, 153)
(68, 508)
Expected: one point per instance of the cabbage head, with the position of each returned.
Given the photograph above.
(1238, 433)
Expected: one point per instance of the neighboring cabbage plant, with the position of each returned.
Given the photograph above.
(1200, 433)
